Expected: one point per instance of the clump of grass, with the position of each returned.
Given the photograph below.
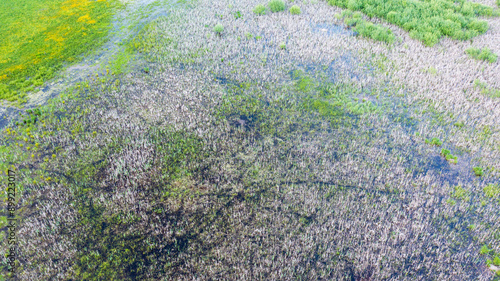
(282, 46)
(482, 54)
(276, 5)
(295, 10)
(426, 21)
(218, 29)
(478, 171)
(460, 193)
(446, 153)
(492, 190)
(484, 250)
(260, 10)
(490, 92)
(434, 141)
(366, 28)
(39, 37)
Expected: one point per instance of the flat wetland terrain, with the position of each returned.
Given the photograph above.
(250, 140)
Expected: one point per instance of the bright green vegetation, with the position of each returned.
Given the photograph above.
(478, 171)
(434, 141)
(276, 5)
(120, 62)
(426, 21)
(460, 193)
(259, 9)
(39, 37)
(446, 153)
(492, 190)
(282, 46)
(332, 101)
(237, 14)
(484, 250)
(366, 28)
(295, 10)
(218, 28)
(482, 54)
(489, 92)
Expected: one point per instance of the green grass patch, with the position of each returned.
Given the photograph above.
(485, 90)
(295, 10)
(276, 5)
(492, 190)
(218, 28)
(482, 54)
(40, 36)
(484, 250)
(460, 193)
(426, 21)
(478, 171)
(260, 10)
(366, 28)
(332, 100)
(434, 141)
(446, 153)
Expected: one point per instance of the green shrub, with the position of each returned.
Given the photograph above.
(259, 9)
(492, 190)
(276, 5)
(295, 10)
(478, 171)
(428, 20)
(482, 54)
(490, 92)
(282, 46)
(218, 28)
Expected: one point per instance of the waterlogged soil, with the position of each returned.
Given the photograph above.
(360, 187)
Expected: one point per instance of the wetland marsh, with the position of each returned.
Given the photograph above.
(254, 140)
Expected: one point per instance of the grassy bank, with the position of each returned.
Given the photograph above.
(39, 37)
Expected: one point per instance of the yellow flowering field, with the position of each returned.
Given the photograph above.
(39, 36)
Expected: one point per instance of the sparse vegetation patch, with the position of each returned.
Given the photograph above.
(482, 54)
(365, 28)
